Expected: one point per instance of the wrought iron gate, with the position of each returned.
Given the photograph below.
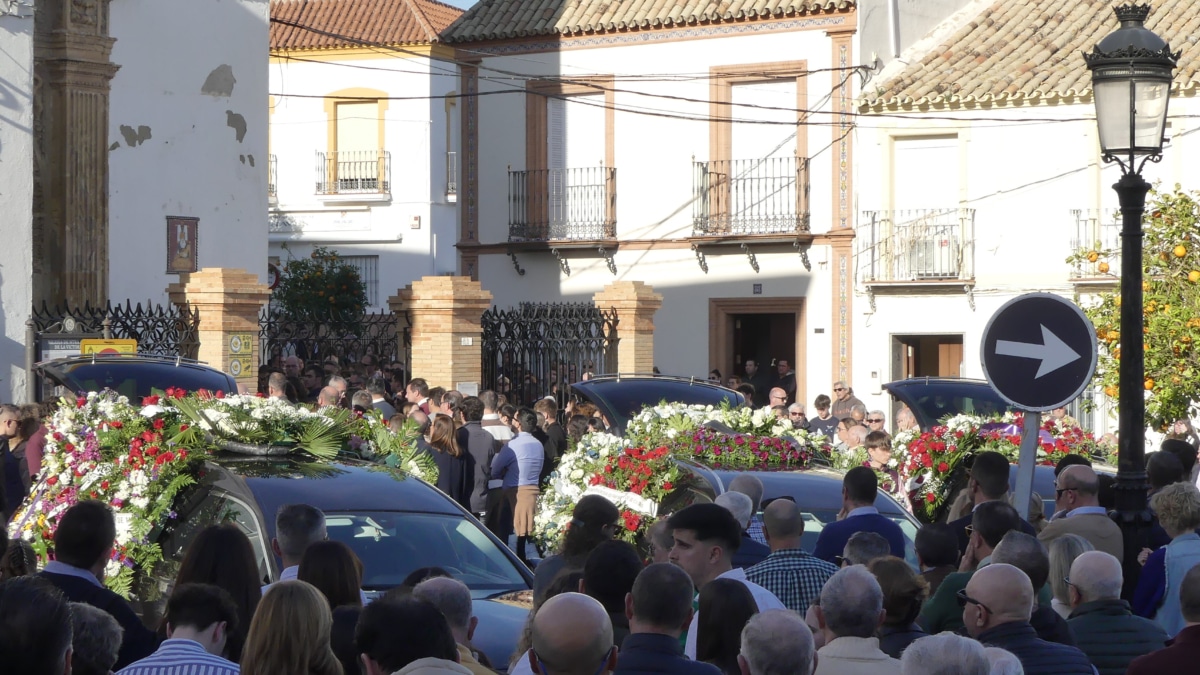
(535, 350)
(348, 339)
(162, 330)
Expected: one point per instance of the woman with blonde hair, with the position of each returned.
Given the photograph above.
(17, 425)
(904, 591)
(1157, 595)
(456, 471)
(1063, 552)
(290, 633)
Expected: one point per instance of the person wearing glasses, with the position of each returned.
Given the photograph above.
(1077, 496)
(797, 417)
(876, 421)
(777, 397)
(844, 400)
(988, 483)
(996, 605)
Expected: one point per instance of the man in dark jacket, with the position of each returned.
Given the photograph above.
(1104, 627)
(659, 609)
(750, 552)
(555, 441)
(83, 545)
(1182, 653)
(997, 603)
(482, 447)
(1029, 555)
(859, 488)
(988, 483)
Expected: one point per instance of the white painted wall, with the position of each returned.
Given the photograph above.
(16, 196)
(194, 160)
(1023, 179)
(653, 157)
(416, 133)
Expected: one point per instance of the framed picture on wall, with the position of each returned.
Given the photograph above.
(183, 241)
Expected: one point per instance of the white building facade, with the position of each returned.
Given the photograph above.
(700, 153)
(364, 138)
(977, 178)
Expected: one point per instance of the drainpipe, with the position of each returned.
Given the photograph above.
(894, 16)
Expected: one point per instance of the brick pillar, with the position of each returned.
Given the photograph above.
(636, 304)
(229, 302)
(446, 334)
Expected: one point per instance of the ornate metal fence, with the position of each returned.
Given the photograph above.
(348, 339)
(534, 350)
(161, 330)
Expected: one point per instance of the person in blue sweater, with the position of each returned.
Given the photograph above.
(859, 489)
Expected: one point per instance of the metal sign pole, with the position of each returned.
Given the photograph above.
(1028, 459)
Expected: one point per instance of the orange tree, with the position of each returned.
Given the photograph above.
(1171, 309)
(322, 288)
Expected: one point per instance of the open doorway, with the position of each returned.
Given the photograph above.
(927, 356)
(764, 338)
(763, 329)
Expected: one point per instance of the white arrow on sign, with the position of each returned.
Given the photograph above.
(1053, 352)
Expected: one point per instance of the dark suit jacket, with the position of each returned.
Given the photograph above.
(1181, 656)
(138, 641)
(750, 553)
(959, 527)
(554, 446)
(482, 447)
(654, 654)
(833, 538)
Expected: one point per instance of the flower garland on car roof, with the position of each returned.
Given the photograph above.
(640, 472)
(137, 459)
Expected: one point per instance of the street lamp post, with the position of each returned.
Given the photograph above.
(1131, 86)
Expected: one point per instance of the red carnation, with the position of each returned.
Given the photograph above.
(158, 423)
(80, 402)
(930, 498)
(116, 424)
(943, 467)
(150, 400)
(668, 486)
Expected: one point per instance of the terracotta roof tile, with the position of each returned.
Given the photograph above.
(390, 22)
(1027, 50)
(506, 19)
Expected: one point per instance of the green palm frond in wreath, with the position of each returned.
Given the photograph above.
(400, 450)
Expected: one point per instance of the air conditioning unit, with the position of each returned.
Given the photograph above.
(934, 258)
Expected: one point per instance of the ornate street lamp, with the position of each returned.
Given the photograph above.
(1131, 84)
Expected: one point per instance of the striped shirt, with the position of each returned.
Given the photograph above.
(181, 657)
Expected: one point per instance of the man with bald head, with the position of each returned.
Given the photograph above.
(328, 397)
(1076, 496)
(791, 573)
(453, 600)
(572, 635)
(1104, 627)
(776, 641)
(996, 605)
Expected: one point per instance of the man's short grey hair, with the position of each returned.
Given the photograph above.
(749, 485)
(1003, 662)
(796, 407)
(1026, 553)
(859, 409)
(777, 642)
(338, 381)
(877, 412)
(1097, 576)
(945, 654)
(852, 603)
(738, 504)
(858, 435)
(277, 381)
(863, 547)
(450, 596)
(297, 526)
(362, 398)
(489, 400)
(376, 386)
(95, 641)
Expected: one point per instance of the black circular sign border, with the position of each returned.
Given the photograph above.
(1092, 351)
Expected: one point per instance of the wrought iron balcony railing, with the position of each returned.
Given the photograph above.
(1096, 230)
(917, 245)
(562, 204)
(751, 196)
(354, 172)
(451, 176)
(272, 176)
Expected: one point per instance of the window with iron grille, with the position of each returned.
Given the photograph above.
(368, 270)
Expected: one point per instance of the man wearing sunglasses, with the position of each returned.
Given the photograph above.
(988, 483)
(1077, 495)
(996, 605)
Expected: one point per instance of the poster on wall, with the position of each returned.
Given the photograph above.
(182, 244)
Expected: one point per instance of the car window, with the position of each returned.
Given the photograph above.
(816, 520)
(135, 379)
(937, 400)
(627, 398)
(211, 507)
(392, 545)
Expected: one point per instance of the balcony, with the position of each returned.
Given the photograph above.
(1099, 231)
(451, 177)
(562, 205)
(917, 246)
(272, 178)
(750, 197)
(354, 172)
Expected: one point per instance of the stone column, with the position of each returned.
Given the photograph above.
(72, 76)
(229, 302)
(445, 315)
(636, 304)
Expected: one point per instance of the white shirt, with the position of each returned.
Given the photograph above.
(762, 597)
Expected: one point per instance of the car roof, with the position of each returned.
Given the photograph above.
(120, 373)
(957, 395)
(332, 486)
(810, 487)
(620, 397)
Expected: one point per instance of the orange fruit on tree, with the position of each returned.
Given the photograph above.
(1149, 383)
(1103, 267)
(1093, 256)
(1194, 276)
(1180, 251)
(1146, 285)
(1110, 392)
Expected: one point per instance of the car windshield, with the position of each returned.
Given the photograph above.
(626, 398)
(133, 378)
(933, 401)
(392, 545)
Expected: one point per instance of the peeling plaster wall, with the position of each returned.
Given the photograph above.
(16, 198)
(188, 137)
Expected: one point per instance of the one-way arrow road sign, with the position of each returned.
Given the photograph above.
(1039, 351)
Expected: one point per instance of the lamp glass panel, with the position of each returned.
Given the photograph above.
(1150, 98)
(1112, 115)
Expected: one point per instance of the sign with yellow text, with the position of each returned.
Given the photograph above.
(97, 346)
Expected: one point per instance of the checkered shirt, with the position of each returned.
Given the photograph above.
(794, 576)
(755, 530)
